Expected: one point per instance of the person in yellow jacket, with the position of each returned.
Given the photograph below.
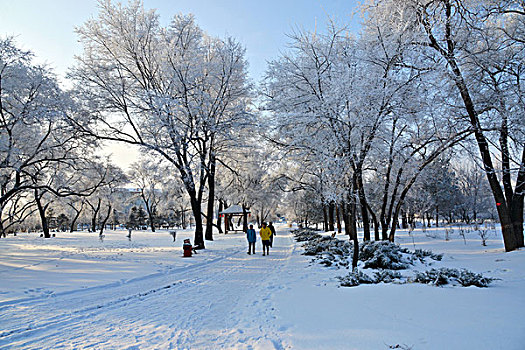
(265, 234)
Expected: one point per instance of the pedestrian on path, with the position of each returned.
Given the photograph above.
(265, 234)
(270, 226)
(252, 238)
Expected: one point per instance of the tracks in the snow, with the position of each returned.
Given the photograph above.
(226, 300)
(36, 314)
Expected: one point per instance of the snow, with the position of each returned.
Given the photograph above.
(75, 291)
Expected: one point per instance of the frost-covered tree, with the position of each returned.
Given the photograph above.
(173, 90)
(479, 46)
(355, 110)
(475, 191)
(148, 177)
(102, 202)
(40, 150)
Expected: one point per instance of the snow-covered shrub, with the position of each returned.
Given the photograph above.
(317, 245)
(439, 277)
(383, 255)
(469, 278)
(372, 254)
(386, 257)
(353, 279)
(421, 254)
(305, 234)
(386, 276)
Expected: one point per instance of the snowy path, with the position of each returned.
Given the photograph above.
(226, 301)
(76, 292)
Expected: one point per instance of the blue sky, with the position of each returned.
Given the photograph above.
(46, 27)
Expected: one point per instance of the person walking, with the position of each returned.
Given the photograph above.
(252, 238)
(265, 234)
(270, 226)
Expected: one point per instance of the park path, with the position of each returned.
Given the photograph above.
(226, 302)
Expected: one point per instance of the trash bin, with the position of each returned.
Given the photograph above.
(187, 247)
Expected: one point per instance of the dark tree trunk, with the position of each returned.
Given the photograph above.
(364, 206)
(404, 219)
(244, 218)
(211, 198)
(2, 230)
(105, 220)
(331, 208)
(219, 220)
(183, 217)
(75, 218)
(325, 218)
(349, 219)
(151, 217)
(376, 223)
(338, 218)
(196, 210)
(94, 215)
(42, 213)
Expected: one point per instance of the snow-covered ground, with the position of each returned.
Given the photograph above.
(77, 292)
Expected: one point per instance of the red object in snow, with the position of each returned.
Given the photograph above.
(187, 247)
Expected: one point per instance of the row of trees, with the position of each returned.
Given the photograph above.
(359, 128)
(364, 118)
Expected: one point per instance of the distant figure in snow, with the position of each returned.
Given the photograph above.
(252, 238)
(265, 234)
(270, 226)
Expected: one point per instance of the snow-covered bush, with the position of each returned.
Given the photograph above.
(305, 234)
(383, 255)
(353, 279)
(373, 254)
(469, 278)
(421, 254)
(387, 276)
(439, 277)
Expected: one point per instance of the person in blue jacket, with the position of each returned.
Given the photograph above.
(250, 235)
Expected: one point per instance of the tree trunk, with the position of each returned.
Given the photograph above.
(338, 218)
(244, 218)
(75, 218)
(219, 220)
(376, 223)
(105, 220)
(211, 198)
(404, 219)
(199, 232)
(363, 204)
(151, 217)
(325, 218)
(349, 219)
(331, 207)
(517, 219)
(42, 213)
(95, 216)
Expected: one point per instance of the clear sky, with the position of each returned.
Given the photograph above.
(46, 27)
